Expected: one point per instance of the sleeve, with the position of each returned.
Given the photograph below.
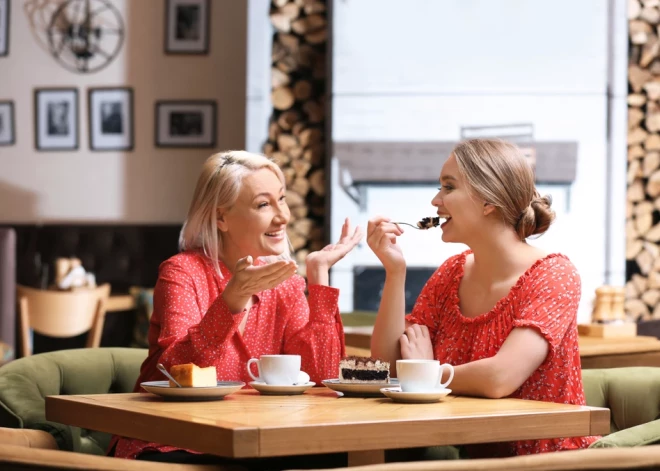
(549, 302)
(313, 328)
(186, 332)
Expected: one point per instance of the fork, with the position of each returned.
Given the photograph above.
(408, 224)
(163, 370)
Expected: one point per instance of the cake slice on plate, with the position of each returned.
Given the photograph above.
(190, 375)
(355, 369)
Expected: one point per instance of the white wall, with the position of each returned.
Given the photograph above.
(149, 184)
(419, 70)
(259, 45)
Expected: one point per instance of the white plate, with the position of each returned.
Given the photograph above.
(163, 389)
(415, 397)
(273, 390)
(359, 389)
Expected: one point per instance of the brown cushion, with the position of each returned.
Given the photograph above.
(17, 457)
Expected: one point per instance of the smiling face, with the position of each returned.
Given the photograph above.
(464, 210)
(256, 224)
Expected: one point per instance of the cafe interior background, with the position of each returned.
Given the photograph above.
(360, 105)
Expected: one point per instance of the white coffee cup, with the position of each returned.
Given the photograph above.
(422, 375)
(278, 370)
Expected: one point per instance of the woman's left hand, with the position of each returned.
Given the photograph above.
(319, 262)
(416, 343)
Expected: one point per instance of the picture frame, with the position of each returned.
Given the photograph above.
(186, 123)
(4, 28)
(56, 119)
(7, 123)
(111, 123)
(187, 26)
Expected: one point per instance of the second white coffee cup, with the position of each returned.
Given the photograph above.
(422, 375)
(278, 370)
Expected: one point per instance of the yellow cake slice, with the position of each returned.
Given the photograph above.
(190, 375)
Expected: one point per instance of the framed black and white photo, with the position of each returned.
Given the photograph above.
(7, 123)
(185, 123)
(4, 28)
(56, 118)
(110, 118)
(187, 26)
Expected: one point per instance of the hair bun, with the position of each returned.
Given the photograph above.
(545, 200)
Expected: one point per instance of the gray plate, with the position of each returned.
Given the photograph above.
(359, 389)
(163, 389)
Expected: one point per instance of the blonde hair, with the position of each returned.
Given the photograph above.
(499, 173)
(218, 187)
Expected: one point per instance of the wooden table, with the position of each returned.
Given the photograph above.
(619, 352)
(247, 424)
(594, 352)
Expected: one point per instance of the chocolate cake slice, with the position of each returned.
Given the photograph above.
(428, 223)
(354, 369)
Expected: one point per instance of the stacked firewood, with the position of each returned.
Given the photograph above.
(643, 179)
(296, 132)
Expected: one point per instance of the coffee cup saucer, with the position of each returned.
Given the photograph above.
(281, 390)
(425, 397)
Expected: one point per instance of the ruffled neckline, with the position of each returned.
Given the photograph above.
(502, 302)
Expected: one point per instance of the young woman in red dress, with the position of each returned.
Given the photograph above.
(232, 293)
(504, 312)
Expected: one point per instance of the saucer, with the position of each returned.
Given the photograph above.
(163, 389)
(359, 389)
(275, 390)
(415, 397)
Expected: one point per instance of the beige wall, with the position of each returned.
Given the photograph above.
(148, 184)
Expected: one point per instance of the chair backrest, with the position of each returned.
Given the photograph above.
(25, 383)
(62, 313)
(632, 394)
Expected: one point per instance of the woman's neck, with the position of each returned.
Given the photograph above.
(230, 255)
(500, 254)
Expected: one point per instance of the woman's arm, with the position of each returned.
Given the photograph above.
(523, 351)
(390, 321)
(318, 263)
(187, 332)
(313, 328)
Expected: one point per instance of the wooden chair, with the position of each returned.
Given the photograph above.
(62, 313)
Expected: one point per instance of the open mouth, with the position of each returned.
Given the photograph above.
(446, 218)
(277, 234)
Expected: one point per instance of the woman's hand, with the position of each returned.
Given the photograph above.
(319, 262)
(381, 237)
(416, 343)
(247, 280)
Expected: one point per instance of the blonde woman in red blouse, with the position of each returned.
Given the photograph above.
(233, 292)
(503, 312)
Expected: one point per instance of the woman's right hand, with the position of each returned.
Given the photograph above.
(381, 237)
(247, 280)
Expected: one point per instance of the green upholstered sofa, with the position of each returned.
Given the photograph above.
(632, 394)
(25, 383)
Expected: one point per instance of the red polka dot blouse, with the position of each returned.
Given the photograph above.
(545, 298)
(191, 323)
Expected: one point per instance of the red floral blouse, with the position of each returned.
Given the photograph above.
(545, 298)
(192, 323)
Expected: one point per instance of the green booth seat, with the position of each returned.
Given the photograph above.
(358, 318)
(632, 394)
(25, 383)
